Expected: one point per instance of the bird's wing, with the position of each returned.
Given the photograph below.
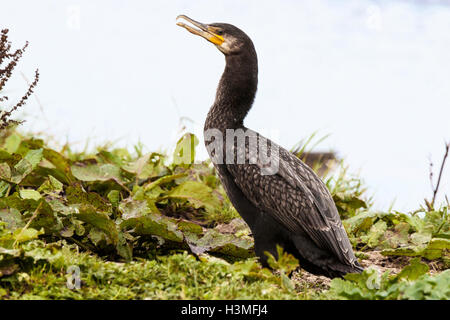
(295, 197)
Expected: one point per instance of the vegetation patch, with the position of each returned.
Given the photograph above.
(138, 226)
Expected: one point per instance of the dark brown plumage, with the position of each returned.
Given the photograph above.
(290, 207)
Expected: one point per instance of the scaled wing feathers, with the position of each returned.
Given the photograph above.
(295, 197)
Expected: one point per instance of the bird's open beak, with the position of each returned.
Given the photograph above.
(204, 30)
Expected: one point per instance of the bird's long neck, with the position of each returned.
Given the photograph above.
(235, 93)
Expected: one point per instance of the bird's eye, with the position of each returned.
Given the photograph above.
(219, 32)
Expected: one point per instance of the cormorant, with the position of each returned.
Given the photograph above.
(289, 206)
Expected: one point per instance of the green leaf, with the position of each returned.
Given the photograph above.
(12, 143)
(56, 165)
(22, 235)
(34, 157)
(4, 188)
(104, 224)
(100, 220)
(143, 167)
(437, 248)
(96, 236)
(376, 232)
(21, 170)
(46, 218)
(96, 172)
(9, 252)
(413, 271)
(67, 231)
(76, 195)
(134, 209)
(114, 197)
(155, 225)
(51, 186)
(403, 251)
(110, 157)
(163, 180)
(398, 237)
(284, 262)
(24, 167)
(420, 239)
(189, 227)
(196, 193)
(226, 244)
(185, 150)
(367, 285)
(287, 283)
(30, 194)
(12, 218)
(5, 171)
(360, 222)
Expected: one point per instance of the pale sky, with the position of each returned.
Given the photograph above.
(373, 74)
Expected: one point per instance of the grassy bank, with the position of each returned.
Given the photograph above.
(120, 224)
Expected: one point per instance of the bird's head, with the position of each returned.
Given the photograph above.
(229, 39)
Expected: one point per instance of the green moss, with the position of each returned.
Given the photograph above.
(44, 275)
